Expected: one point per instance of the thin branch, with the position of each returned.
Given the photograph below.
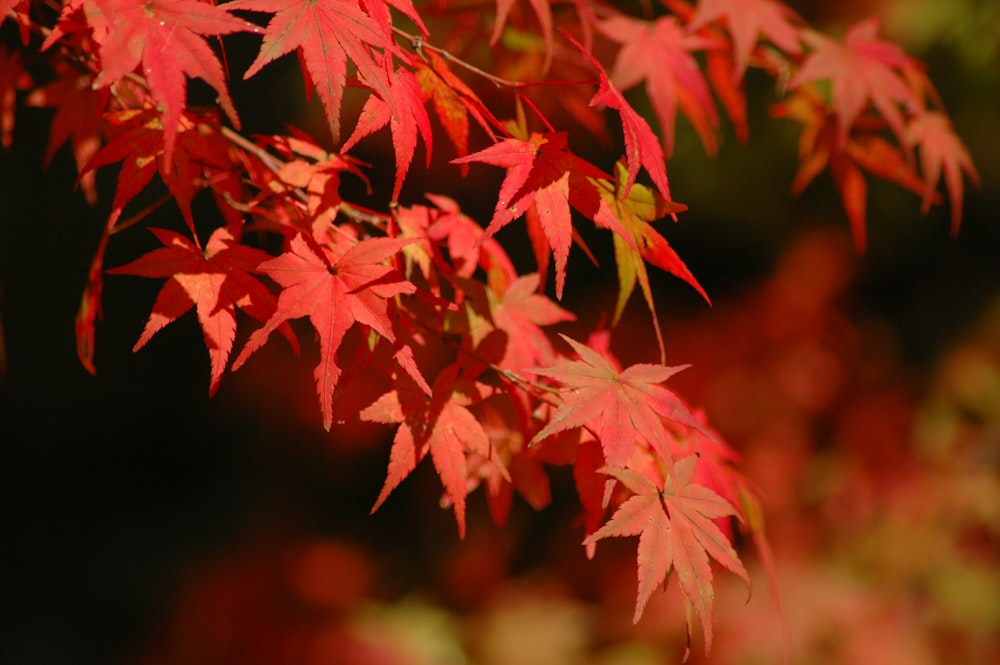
(417, 43)
(274, 164)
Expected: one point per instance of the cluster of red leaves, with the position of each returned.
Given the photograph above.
(458, 335)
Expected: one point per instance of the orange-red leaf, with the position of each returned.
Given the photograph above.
(941, 149)
(542, 172)
(326, 34)
(335, 289)
(676, 531)
(441, 426)
(215, 280)
(77, 120)
(642, 148)
(405, 109)
(659, 53)
(12, 78)
(619, 408)
(453, 102)
(520, 312)
(748, 21)
(21, 13)
(202, 158)
(862, 69)
(167, 38)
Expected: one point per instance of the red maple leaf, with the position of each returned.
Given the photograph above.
(642, 148)
(336, 288)
(325, 33)
(659, 53)
(167, 38)
(202, 158)
(542, 172)
(520, 312)
(215, 280)
(820, 147)
(453, 102)
(441, 426)
(77, 120)
(673, 519)
(748, 21)
(405, 109)
(620, 408)
(941, 149)
(860, 70)
(514, 467)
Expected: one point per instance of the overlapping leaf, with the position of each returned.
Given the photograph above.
(335, 290)
(644, 243)
(820, 147)
(20, 10)
(202, 158)
(167, 38)
(409, 119)
(543, 12)
(642, 148)
(12, 78)
(862, 69)
(542, 172)
(619, 408)
(941, 150)
(77, 120)
(676, 532)
(442, 426)
(453, 102)
(750, 20)
(214, 280)
(659, 53)
(326, 34)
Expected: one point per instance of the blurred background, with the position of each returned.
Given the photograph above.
(144, 523)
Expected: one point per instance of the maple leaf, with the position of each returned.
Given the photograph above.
(641, 146)
(659, 53)
(643, 244)
(748, 21)
(860, 70)
(941, 149)
(405, 109)
(325, 33)
(520, 312)
(77, 120)
(619, 407)
(166, 37)
(335, 288)
(453, 101)
(674, 523)
(215, 280)
(441, 426)
(820, 147)
(542, 172)
(202, 158)
(514, 467)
